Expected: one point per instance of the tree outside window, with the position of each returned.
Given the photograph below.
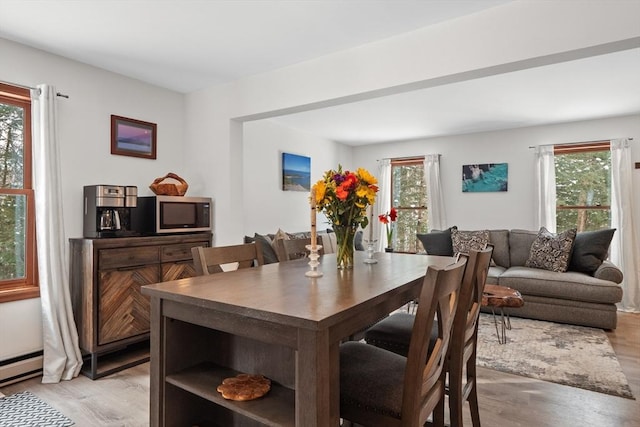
(17, 213)
(583, 186)
(409, 197)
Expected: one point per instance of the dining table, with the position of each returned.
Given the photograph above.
(274, 321)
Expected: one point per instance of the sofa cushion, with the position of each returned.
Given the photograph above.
(550, 251)
(437, 242)
(569, 285)
(590, 249)
(520, 245)
(464, 241)
(500, 241)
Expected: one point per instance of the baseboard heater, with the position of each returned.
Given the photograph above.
(20, 368)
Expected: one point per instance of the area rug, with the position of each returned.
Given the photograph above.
(565, 354)
(27, 410)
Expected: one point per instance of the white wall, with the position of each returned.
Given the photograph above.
(501, 39)
(84, 131)
(271, 207)
(514, 208)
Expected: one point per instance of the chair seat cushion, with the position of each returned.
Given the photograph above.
(393, 333)
(371, 378)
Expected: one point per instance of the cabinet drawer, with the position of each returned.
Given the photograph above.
(179, 252)
(127, 257)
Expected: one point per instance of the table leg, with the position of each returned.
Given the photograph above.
(502, 332)
(317, 380)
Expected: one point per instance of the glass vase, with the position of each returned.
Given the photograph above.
(344, 245)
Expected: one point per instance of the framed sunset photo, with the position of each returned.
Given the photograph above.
(134, 138)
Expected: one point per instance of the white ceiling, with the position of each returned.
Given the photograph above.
(190, 44)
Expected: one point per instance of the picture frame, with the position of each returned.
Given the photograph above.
(134, 138)
(485, 177)
(296, 172)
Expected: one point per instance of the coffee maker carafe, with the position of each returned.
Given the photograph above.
(107, 210)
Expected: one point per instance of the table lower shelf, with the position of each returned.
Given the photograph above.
(276, 408)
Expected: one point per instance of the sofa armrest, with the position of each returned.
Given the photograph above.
(608, 271)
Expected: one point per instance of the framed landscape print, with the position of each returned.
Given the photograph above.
(135, 138)
(296, 172)
(485, 177)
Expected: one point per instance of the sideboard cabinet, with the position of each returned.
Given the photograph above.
(111, 314)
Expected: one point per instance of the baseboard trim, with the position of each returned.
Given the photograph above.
(21, 368)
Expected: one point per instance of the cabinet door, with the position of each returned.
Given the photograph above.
(123, 311)
(177, 270)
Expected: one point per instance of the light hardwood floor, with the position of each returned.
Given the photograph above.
(505, 400)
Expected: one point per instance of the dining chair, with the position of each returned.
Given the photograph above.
(209, 260)
(393, 333)
(381, 388)
(294, 248)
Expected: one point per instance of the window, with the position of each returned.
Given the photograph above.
(18, 271)
(409, 197)
(583, 186)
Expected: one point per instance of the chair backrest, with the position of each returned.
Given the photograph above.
(208, 260)
(424, 384)
(466, 321)
(294, 248)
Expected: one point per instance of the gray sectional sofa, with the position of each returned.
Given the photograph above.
(586, 297)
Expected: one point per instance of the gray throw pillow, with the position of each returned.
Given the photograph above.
(590, 249)
(268, 253)
(437, 242)
(551, 251)
(465, 241)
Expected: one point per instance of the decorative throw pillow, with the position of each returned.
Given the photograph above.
(590, 249)
(437, 242)
(551, 251)
(464, 241)
(279, 250)
(268, 253)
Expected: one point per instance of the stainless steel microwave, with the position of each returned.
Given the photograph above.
(171, 214)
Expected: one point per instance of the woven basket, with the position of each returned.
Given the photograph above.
(175, 186)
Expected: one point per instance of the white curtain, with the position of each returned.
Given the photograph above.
(436, 216)
(62, 358)
(384, 199)
(545, 188)
(625, 252)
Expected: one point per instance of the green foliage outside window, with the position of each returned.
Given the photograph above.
(13, 210)
(583, 190)
(409, 197)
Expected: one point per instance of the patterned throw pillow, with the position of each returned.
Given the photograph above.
(464, 241)
(551, 251)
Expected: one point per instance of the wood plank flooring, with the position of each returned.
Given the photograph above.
(506, 400)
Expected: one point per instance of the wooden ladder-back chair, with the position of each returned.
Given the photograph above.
(393, 334)
(381, 388)
(209, 260)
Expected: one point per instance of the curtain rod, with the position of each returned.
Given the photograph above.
(61, 95)
(575, 143)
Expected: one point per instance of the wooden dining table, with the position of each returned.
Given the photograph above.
(273, 321)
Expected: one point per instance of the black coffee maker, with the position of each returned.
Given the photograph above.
(107, 210)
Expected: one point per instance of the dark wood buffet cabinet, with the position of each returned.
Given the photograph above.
(111, 314)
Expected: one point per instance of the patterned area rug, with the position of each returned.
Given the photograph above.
(27, 410)
(565, 354)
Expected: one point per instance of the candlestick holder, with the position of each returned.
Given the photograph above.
(370, 259)
(313, 256)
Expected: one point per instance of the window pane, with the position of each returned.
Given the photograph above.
(409, 223)
(583, 179)
(409, 197)
(583, 219)
(13, 213)
(11, 146)
(409, 188)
